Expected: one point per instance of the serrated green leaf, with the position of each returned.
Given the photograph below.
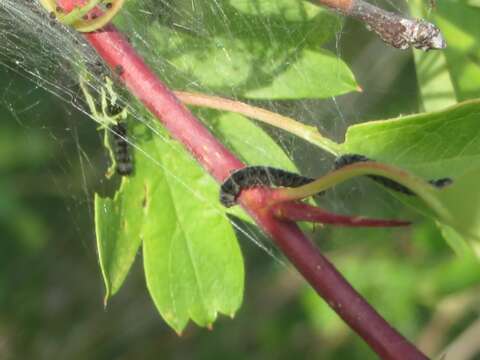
(250, 49)
(193, 264)
(117, 225)
(432, 145)
(311, 75)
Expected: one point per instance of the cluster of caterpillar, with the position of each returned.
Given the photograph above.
(349, 159)
(265, 176)
(121, 151)
(120, 146)
(253, 176)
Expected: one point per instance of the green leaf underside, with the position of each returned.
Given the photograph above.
(459, 24)
(312, 74)
(432, 145)
(457, 242)
(436, 88)
(118, 223)
(193, 264)
(455, 208)
(454, 73)
(462, 199)
(264, 50)
(253, 146)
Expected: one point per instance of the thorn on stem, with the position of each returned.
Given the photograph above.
(298, 211)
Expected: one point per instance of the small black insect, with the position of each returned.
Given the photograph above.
(253, 176)
(119, 70)
(113, 110)
(121, 151)
(349, 159)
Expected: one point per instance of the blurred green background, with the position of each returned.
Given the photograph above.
(51, 291)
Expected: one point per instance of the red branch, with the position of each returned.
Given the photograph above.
(298, 211)
(219, 162)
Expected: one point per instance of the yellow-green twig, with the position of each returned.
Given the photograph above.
(308, 133)
(423, 189)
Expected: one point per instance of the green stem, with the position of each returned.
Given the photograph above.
(308, 133)
(423, 189)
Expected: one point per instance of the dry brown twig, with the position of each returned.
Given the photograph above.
(396, 30)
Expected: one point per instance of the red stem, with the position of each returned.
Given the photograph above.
(219, 162)
(298, 211)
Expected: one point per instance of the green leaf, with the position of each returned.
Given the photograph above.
(462, 199)
(455, 241)
(454, 73)
(475, 3)
(118, 223)
(250, 143)
(459, 24)
(436, 88)
(432, 145)
(434, 79)
(312, 75)
(269, 49)
(193, 264)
